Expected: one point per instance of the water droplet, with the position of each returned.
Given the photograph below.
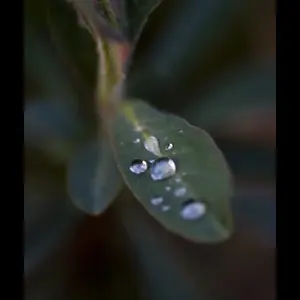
(151, 161)
(177, 179)
(138, 128)
(180, 131)
(121, 143)
(192, 210)
(157, 200)
(168, 188)
(136, 141)
(138, 166)
(162, 168)
(169, 146)
(151, 144)
(165, 208)
(180, 192)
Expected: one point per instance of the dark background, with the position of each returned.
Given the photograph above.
(212, 62)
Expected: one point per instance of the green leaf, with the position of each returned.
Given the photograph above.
(201, 171)
(93, 179)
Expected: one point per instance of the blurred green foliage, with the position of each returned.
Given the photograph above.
(203, 60)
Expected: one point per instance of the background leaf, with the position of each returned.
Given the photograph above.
(202, 173)
(93, 179)
(54, 128)
(138, 12)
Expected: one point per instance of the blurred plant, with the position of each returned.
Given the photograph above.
(174, 62)
(161, 157)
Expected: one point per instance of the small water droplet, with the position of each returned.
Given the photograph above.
(136, 141)
(151, 161)
(165, 208)
(169, 146)
(168, 188)
(184, 174)
(180, 192)
(151, 144)
(138, 128)
(177, 179)
(192, 210)
(180, 131)
(162, 168)
(121, 143)
(138, 166)
(157, 200)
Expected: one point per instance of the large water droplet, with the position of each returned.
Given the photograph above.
(157, 200)
(162, 168)
(192, 210)
(138, 166)
(151, 144)
(169, 146)
(179, 192)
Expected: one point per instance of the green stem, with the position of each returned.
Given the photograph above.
(110, 70)
(110, 76)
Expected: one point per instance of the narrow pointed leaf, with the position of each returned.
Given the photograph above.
(141, 134)
(93, 179)
(138, 12)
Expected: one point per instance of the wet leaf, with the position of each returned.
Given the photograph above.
(93, 179)
(185, 169)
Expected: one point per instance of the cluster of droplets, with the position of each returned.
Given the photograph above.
(163, 168)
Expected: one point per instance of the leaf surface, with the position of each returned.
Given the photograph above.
(140, 132)
(93, 179)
